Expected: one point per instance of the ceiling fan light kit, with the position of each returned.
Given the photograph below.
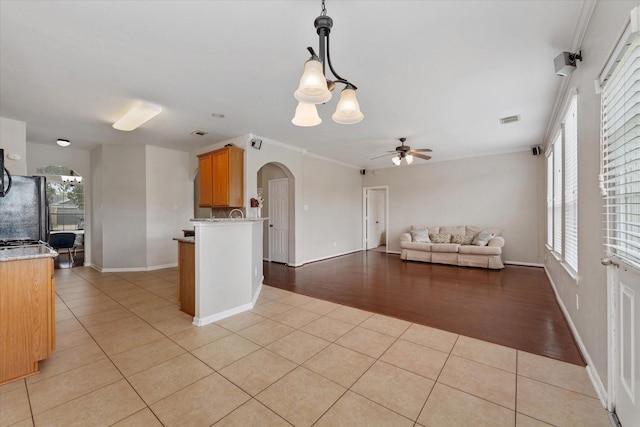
(314, 87)
(405, 152)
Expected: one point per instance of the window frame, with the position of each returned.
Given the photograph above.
(561, 209)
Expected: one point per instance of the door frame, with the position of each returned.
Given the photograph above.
(385, 189)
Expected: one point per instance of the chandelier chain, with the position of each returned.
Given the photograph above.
(324, 9)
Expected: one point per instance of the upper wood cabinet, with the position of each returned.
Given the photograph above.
(221, 178)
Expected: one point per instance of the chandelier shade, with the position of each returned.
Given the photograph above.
(306, 115)
(409, 159)
(396, 160)
(348, 110)
(313, 85)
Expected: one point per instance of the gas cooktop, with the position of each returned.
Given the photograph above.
(10, 243)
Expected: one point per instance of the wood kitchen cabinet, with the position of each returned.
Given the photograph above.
(27, 316)
(187, 277)
(221, 178)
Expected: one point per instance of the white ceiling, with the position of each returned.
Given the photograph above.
(440, 73)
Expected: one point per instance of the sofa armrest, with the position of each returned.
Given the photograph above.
(405, 237)
(497, 241)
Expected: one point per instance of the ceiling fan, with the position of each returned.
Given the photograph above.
(405, 152)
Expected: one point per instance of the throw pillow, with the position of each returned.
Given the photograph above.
(482, 238)
(440, 238)
(461, 239)
(420, 236)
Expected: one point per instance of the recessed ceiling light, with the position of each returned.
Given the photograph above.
(63, 142)
(510, 119)
(217, 115)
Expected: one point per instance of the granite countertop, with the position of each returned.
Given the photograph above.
(226, 219)
(188, 239)
(15, 253)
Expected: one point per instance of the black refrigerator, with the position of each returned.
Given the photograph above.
(23, 208)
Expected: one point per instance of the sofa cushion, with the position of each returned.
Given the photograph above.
(460, 229)
(417, 246)
(483, 238)
(461, 239)
(480, 250)
(445, 247)
(420, 236)
(432, 229)
(440, 238)
(473, 230)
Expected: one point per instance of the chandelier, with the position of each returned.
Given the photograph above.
(315, 88)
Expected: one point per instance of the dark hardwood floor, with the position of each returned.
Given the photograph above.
(514, 307)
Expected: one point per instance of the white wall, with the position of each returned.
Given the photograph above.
(78, 160)
(591, 319)
(493, 191)
(121, 205)
(13, 138)
(96, 220)
(168, 207)
(332, 209)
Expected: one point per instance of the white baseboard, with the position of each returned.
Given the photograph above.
(134, 269)
(599, 387)
(525, 264)
(323, 258)
(201, 321)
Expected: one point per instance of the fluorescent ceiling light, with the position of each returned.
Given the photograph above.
(139, 114)
(63, 142)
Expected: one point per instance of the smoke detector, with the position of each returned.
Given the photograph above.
(199, 132)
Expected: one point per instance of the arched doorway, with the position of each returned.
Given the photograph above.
(276, 184)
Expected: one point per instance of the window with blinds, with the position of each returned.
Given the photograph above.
(550, 200)
(570, 131)
(621, 157)
(562, 189)
(557, 195)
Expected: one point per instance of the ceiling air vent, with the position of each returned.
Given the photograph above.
(509, 119)
(199, 132)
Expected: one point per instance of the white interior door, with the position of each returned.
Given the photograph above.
(279, 220)
(624, 306)
(382, 220)
(373, 235)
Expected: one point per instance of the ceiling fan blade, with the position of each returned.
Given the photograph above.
(384, 155)
(423, 149)
(421, 156)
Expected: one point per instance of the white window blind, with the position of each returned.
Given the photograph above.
(621, 157)
(557, 195)
(571, 185)
(550, 199)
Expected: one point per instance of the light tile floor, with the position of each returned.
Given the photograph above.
(126, 356)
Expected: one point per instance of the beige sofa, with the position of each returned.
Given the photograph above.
(469, 246)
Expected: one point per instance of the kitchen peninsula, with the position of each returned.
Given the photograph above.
(227, 267)
(27, 309)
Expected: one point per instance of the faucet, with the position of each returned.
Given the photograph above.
(234, 210)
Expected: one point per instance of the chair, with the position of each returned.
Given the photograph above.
(60, 241)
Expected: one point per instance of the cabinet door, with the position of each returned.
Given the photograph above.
(236, 177)
(205, 181)
(221, 178)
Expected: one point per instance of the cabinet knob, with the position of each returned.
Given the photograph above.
(270, 225)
